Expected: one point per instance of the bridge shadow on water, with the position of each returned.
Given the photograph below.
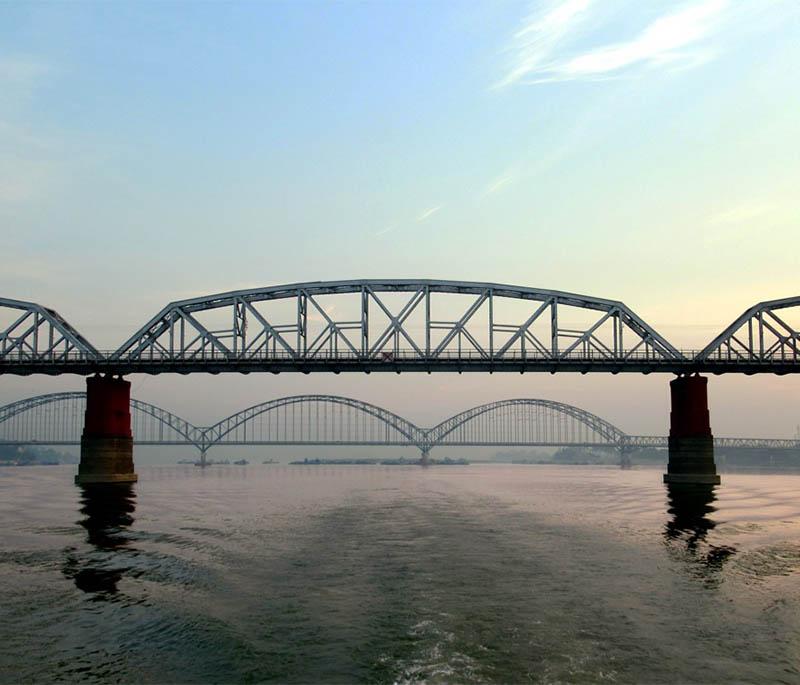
(691, 509)
(108, 513)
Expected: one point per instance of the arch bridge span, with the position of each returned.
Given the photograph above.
(57, 419)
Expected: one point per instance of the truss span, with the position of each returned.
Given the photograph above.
(390, 322)
(57, 419)
(30, 332)
(768, 332)
(394, 326)
(317, 420)
(525, 422)
(314, 419)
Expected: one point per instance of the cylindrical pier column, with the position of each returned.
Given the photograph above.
(107, 442)
(425, 459)
(691, 444)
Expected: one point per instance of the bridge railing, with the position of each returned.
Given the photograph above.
(347, 355)
(104, 357)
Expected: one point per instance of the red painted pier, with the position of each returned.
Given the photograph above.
(691, 444)
(107, 441)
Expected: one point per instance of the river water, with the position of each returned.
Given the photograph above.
(475, 574)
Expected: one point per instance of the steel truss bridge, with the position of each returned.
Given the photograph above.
(57, 419)
(396, 326)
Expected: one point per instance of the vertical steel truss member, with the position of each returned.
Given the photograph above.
(426, 330)
(760, 334)
(383, 330)
(39, 333)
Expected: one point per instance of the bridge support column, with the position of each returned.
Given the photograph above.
(107, 442)
(625, 458)
(691, 444)
(425, 459)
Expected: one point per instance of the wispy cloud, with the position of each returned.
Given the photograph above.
(499, 183)
(428, 213)
(740, 214)
(386, 230)
(739, 223)
(420, 218)
(677, 39)
(21, 70)
(539, 37)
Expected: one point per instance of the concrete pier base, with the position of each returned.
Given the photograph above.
(691, 444)
(106, 460)
(106, 443)
(691, 461)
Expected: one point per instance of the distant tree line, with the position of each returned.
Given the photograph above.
(734, 458)
(23, 455)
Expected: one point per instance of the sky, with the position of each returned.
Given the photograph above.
(642, 151)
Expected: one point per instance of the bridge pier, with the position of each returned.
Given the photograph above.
(691, 444)
(425, 459)
(625, 458)
(107, 442)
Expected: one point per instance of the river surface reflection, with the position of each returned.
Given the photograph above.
(485, 573)
(108, 513)
(691, 509)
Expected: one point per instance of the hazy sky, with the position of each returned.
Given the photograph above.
(642, 151)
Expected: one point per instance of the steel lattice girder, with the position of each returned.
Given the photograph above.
(40, 333)
(662, 442)
(767, 335)
(176, 333)
(38, 340)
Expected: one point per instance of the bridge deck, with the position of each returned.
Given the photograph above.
(395, 364)
(395, 326)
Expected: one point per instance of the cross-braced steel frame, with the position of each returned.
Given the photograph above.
(396, 326)
(315, 332)
(31, 333)
(763, 333)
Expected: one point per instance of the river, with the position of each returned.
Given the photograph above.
(473, 574)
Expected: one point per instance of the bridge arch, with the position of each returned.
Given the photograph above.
(314, 419)
(525, 422)
(240, 326)
(61, 417)
(767, 331)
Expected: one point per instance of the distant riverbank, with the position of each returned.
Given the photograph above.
(378, 462)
